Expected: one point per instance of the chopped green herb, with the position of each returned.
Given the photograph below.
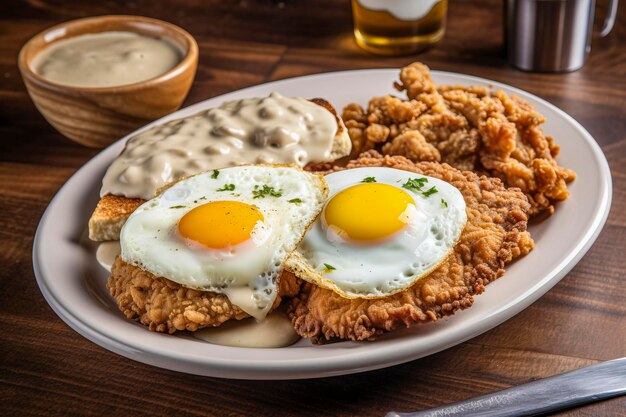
(415, 184)
(443, 203)
(227, 187)
(265, 191)
(329, 267)
(175, 207)
(430, 191)
(215, 174)
(202, 198)
(295, 201)
(369, 179)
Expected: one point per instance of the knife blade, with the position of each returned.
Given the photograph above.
(593, 383)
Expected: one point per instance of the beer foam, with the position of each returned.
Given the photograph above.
(401, 9)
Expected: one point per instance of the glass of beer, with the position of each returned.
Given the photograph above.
(398, 27)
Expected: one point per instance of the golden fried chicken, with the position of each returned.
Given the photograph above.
(495, 234)
(165, 306)
(470, 128)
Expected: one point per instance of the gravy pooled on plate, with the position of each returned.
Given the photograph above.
(274, 129)
(275, 331)
(106, 59)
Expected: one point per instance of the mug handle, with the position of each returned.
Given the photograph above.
(609, 21)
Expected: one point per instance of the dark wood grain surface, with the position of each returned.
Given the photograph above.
(48, 369)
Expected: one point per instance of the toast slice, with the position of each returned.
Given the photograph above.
(342, 145)
(112, 211)
(110, 215)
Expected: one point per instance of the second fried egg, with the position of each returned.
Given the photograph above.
(382, 229)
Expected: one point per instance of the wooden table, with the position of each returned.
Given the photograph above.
(48, 369)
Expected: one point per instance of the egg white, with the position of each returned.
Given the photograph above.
(373, 270)
(150, 238)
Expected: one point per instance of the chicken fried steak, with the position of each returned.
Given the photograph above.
(495, 235)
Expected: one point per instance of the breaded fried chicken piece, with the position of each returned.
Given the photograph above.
(165, 306)
(471, 128)
(412, 145)
(495, 235)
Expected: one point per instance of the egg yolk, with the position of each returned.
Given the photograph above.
(368, 212)
(220, 224)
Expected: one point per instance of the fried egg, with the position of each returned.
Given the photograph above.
(381, 231)
(228, 231)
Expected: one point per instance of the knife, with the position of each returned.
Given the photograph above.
(593, 383)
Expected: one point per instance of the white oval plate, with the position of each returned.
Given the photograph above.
(74, 284)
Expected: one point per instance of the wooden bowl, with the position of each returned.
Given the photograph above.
(97, 117)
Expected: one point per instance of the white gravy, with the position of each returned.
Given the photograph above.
(274, 129)
(274, 332)
(106, 59)
(243, 297)
(106, 254)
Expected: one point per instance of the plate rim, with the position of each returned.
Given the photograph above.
(358, 361)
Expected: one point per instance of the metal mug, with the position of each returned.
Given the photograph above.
(551, 35)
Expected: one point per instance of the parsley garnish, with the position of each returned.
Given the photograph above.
(430, 191)
(178, 207)
(369, 179)
(415, 184)
(443, 203)
(227, 187)
(329, 267)
(215, 174)
(295, 201)
(265, 191)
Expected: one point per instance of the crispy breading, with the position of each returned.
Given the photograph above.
(472, 128)
(412, 145)
(165, 306)
(388, 110)
(495, 235)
